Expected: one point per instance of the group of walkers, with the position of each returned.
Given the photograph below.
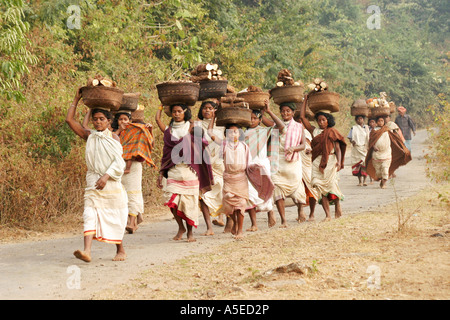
(380, 147)
(222, 172)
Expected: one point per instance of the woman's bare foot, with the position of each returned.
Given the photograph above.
(120, 256)
(311, 219)
(179, 234)
(301, 218)
(238, 237)
(208, 233)
(327, 219)
(86, 257)
(271, 219)
(253, 229)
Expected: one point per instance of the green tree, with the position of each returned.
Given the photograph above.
(14, 55)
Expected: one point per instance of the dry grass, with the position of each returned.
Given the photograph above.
(337, 257)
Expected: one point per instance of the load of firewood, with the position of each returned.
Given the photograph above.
(99, 80)
(318, 85)
(205, 72)
(285, 78)
(233, 101)
(101, 92)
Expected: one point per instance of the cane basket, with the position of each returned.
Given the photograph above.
(109, 98)
(255, 100)
(130, 101)
(170, 93)
(380, 112)
(234, 115)
(323, 100)
(287, 94)
(212, 89)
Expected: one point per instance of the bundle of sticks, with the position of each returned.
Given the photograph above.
(206, 71)
(318, 85)
(233, 101)
(99, 80)
(285, 78)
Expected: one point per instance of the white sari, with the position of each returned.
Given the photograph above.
(105, 211)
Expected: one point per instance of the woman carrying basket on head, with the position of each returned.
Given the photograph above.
(185, 175)
(328, 151)
(105, 199)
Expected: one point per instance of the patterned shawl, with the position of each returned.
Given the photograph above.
(137, 143)
(197, 157)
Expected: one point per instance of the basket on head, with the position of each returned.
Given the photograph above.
(380, 112)
(138, 114)
(212, 89)
(287, 94)
(170, 93)
(130, 101)
(109, 98)
(323, 100)
(255, 100)
(234, 115)
(359, 108)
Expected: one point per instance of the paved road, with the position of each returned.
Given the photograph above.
(47, 269)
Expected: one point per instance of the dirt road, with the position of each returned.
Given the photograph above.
(47, 269)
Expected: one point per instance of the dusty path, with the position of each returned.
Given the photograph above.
(46, 269)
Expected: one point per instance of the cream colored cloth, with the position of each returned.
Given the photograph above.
(307, 165)
(213, 198)
(105, 211)
(360, 136)
(181, 190)
(132, 182)
(382, 158)
(235, 187)
(288, 178)
(328, 181)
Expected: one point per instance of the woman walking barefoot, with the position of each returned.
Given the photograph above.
(185, 178)
(287, 171)
(359, 138)
(105, 205)
(211, 201)
(137, 141)
(328, 151)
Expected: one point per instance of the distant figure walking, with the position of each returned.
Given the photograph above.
(406, 124)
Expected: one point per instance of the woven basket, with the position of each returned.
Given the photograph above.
(255, 100)
(130, 101)
(212, 89)
(359, 111)
(102, 97)
(380, 112)
(233, 115)
(287, 94)
(323, 100)
(170, 93)
(137, 115)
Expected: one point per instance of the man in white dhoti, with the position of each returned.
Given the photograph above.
(105, 199)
